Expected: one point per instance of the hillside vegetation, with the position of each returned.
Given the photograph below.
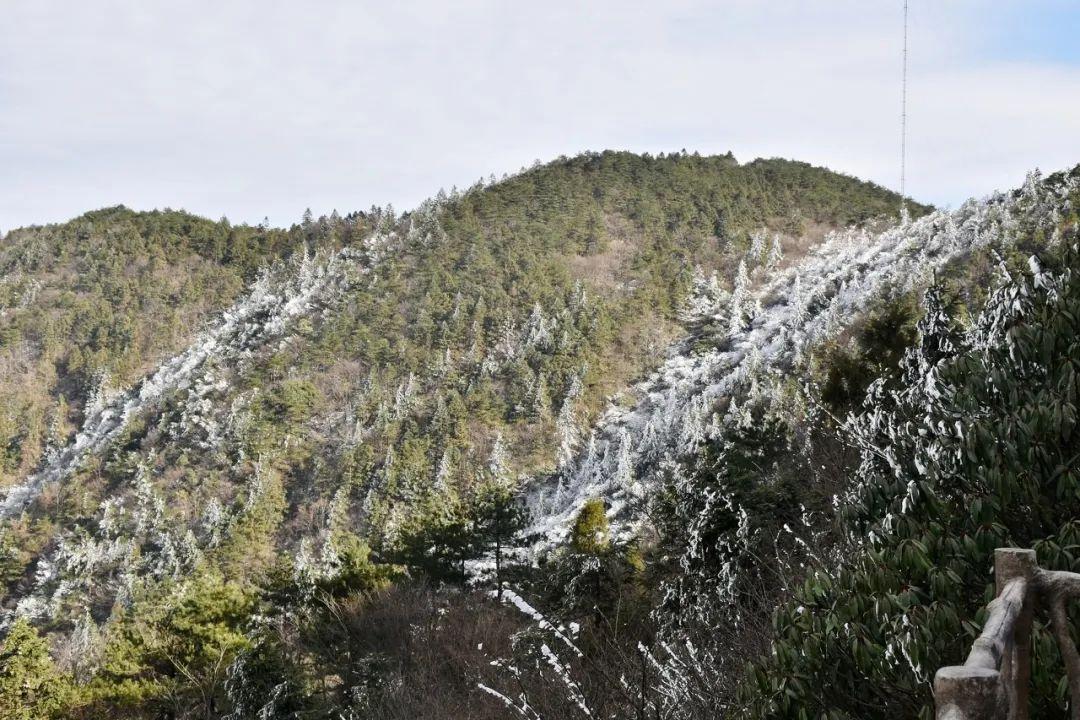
(259, 473)
(97, 302)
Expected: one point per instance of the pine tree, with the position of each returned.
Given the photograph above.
(499, 515)
(498, 465)
(539, 405)
(441, 484)
(538, 329)
(798, 303)
(757, 246)
(508, 345)
(740, 300)
(31, 688)
(566, 423)
(497, 510)
(624, 464)
(591, 533)
(99, 395)
(776, 252)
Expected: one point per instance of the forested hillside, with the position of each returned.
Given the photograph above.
(92, 305)
(618, 436)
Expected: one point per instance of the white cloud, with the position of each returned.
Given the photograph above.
(263, 108)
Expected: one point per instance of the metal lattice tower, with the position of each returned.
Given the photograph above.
(903, 119)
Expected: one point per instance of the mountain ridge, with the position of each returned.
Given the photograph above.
(396, 401)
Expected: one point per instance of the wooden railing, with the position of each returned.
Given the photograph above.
(992, 684)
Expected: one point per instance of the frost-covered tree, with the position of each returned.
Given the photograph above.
(441, 483)
(776, 252)
(508, 343)
(81, 652)
(538, 329)
(758, 240)
(798, 302)
(566, 423)
(623, 476)
(539, 403)
(740, 301)
(707, 298)
(498, 463)
(97, 398)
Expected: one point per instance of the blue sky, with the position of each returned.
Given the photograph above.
(1039, 31)
(252, 108)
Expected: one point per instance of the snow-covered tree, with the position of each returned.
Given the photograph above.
(508, 345)
(740, 301)
(623, 476)
(707, 298)
(776, 252)
(539, 403)
(538, 329)
(441, 483)
(98, 397)
(758, 240)
(566, 423)
(798, 302)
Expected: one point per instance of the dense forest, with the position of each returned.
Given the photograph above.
(617, 436)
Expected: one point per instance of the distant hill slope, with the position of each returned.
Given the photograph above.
(104, 298)
(109, 294)
(282, 404)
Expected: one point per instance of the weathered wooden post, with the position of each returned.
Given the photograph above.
(968, 693)
(1009, 564)
(1056, 589)
(992, 684)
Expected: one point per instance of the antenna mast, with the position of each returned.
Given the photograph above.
(903, 121)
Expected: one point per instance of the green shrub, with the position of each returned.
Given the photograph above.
(591, 533)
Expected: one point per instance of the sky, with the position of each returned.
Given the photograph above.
(261, 108)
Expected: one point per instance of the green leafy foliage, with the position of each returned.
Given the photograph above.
(977, 452)
(874, 351)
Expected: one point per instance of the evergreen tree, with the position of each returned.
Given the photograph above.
(756, 253)
(497, 510)
(739, 301)
(499, 515)
(776, 252)
(31, 688)
(591, 534)
(566, 423)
